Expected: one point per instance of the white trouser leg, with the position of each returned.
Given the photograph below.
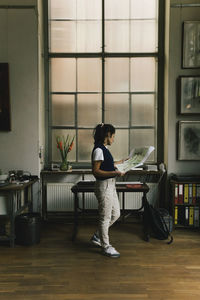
(109, 209)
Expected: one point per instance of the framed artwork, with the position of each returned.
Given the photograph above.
(191, 44)
(4, 98)
(189, 96)
(189, 140)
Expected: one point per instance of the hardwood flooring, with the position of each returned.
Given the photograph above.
(58, 269)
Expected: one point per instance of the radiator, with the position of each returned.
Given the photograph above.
(60, 198)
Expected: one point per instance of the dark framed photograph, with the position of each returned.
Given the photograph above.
(4, 98)
(189, 96)
(191, 44)
(189, 140)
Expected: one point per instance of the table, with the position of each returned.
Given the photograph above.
(89, 187)
(17, 203)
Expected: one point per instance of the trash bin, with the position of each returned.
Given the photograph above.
(27, 229)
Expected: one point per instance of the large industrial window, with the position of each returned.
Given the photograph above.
(103, 67)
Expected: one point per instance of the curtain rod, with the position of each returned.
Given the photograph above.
(185, 5)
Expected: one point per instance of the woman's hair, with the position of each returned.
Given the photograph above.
(101, 132)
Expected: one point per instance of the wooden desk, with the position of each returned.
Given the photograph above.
(89, 187)
(17, 204)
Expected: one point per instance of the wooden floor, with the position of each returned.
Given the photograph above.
(59, 269)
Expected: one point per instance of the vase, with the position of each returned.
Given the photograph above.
(64, 165)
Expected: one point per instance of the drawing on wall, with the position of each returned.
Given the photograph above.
(191, 44)
(4, 98)
(189, 140)
(189, 95)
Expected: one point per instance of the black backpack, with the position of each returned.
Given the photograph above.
(157, 223)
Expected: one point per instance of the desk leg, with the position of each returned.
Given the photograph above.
(145, 217)
(12, 218)
(75, 229)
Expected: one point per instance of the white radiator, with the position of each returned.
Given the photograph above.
(60, 198)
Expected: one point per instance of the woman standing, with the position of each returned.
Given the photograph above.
(104, 170)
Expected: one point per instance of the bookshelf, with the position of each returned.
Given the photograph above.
(186, 201)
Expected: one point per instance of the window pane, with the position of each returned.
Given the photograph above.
(56, 156)
(117, 109)
(119, 148)
(143, 71)
(63, 36)
(89, 36)
(63, 110)
(63, 74)
(62, 9)
(117, 75)
(85, 145)
(89, 9)
(142, 110)
(144, 9)
(89, 110)
(143, 36)
(115, 9)
(117, 36)
(89, 75)
(142, 138)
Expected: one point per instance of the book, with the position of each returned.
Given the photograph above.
(176, 193)
(194, 193)
(186, 216)
(185, 195)
(190, 193)
(180, 193)
(196, 216)
(136, 158)
(176, 215)
(191, 216)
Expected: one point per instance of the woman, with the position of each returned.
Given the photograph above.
(104, 170)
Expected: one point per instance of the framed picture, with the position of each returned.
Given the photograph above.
(189, 140)
(191, 44)
(189, 96)
(4, 98)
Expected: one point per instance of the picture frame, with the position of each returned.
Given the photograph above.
(5, 118)
(189, 140)
(191, 45)
(189, 95)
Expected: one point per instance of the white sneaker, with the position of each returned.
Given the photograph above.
(95, 240)
(111, 252)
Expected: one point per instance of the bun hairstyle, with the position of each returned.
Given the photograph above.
(101, 132)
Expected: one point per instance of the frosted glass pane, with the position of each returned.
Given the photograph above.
(63, 110)
(62, 9)
(117, 75)
(115, 9)
(89, 110)
(89, 74)
(142, 110)
(143, 74)
(144, 9)
(63, 74)
(119, 148)
(63, 36)
(144, 36)
(89, 36)
(85, 145)
(141, 138)
(117, 36)
(117, 109)
(89, 9)
(55, 151)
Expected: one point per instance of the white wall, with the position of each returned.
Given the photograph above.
(173, 63)
(19, 47)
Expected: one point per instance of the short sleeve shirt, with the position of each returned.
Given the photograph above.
(98, 154)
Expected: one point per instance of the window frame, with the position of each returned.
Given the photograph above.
(159, 55)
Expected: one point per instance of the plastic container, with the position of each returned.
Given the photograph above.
(27, 229)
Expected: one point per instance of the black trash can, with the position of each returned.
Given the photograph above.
(27, 229)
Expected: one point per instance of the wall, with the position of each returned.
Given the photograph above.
(174, 20)
(19, 47)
